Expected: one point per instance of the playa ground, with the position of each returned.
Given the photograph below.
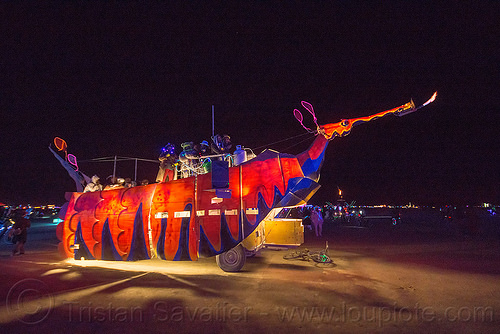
(383, 279)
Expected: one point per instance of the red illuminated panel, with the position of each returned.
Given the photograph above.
(84, 214)
(69, 228)
(131, 201)
(290, 168)
(173, 197)
(261, 177)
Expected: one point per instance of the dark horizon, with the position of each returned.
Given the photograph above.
(125, 79)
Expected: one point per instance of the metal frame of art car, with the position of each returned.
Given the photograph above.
(206, 214)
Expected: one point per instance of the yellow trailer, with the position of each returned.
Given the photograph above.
(274, 232)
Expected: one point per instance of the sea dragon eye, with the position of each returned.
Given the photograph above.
(344, 122)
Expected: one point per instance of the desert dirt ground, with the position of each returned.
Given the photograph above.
(383, 279)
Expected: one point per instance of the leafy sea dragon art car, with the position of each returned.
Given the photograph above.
(190, 217)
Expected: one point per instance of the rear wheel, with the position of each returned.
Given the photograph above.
(319, 257)
(232, 260)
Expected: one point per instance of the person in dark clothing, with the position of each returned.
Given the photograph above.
(20, 232)
(168, 162)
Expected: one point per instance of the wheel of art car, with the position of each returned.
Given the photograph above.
(232, 260)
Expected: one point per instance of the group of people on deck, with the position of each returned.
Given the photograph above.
(114, 183)
(172, 166)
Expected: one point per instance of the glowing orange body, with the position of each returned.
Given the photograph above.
(186, 201)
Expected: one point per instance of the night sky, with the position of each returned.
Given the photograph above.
(125, 79)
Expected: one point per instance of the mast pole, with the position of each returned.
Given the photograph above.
(114, 169)
(135, 174)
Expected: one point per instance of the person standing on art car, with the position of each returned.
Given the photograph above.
(129, 183)
(114, 183)
(202, 150)
(19, 232)
(221, 144)
(94, 185)
(168, 162)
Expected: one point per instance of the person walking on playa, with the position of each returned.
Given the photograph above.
(317, 220)
(20, 232)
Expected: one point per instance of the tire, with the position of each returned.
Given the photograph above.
(320, 258)
(294, 255)
(232, 260)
